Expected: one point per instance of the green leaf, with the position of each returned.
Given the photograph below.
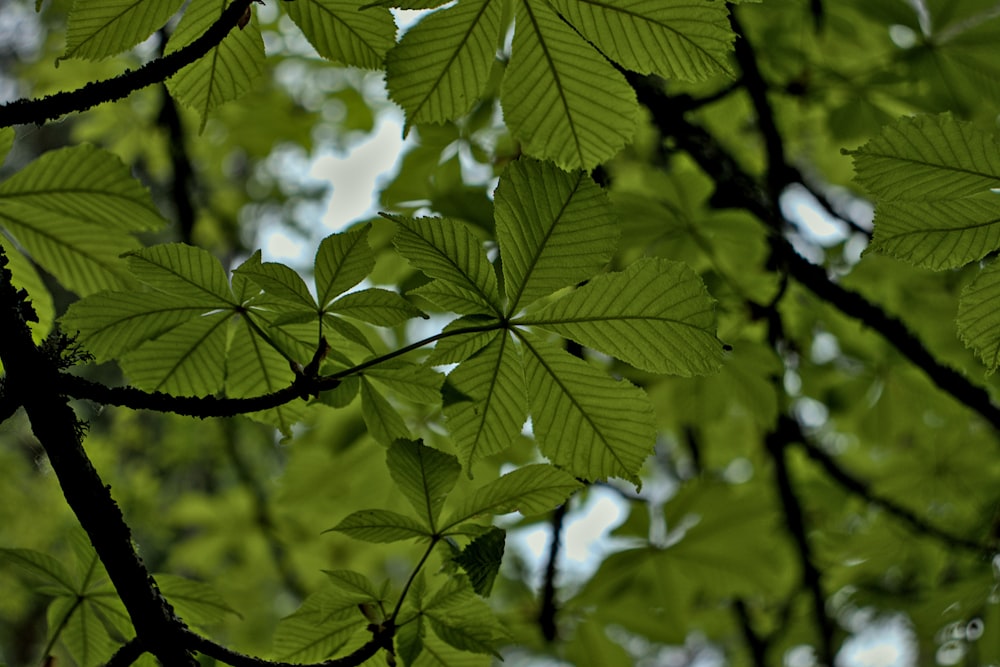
(586, 422)
(102, 28)
(424, 475)
(339, 32)
(226, 72)
(457, 347)
(462, 619)
(413, 382)
(481, 559)
(355, 584)
(252, 368)
(447, 250)
(673, 38)
(41, 567)
(410, 640)
(554, 229)
(380, 526)
(195, 601)
(187, 360)
(377, 306)
(85, 184)
(278, 281)
(441, 66)
(928, 158)
(25, 276)
(7, 136)
(656, 315)
(185, 271)
(530, 490)
(319, 628)
(560, 97)
(493, 407)
(113, 323)
(938, 235)
(979, 316)
(81, 631)
(342, 261)
(383, 420)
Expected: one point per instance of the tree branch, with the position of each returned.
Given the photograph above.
(52, 107)
(34, 378)
(547, 612)
(381, 639)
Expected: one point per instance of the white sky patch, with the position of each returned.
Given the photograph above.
(281, 247)
(887, 643)
(814, 223)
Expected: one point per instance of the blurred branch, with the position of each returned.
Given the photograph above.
(737, 189)
(756, 644)
(776, 442)
(548, 610)
(92, 94)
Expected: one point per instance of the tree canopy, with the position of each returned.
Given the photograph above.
(732, 265)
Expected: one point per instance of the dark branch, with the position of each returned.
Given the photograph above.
(126, 654)
(548, 610)
(756, 645)
(52, 107)
(381, 639)
(777, 442)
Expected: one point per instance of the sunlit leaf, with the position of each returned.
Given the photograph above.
(447, 250)
(341, 33)
(342, 261)
(656, 315)
(673, 38)
(228, 70)
(185, 271)
(380, 526)
(424, 475)
(554, 228)
(413, 382)
(442, 64)
(586, 422)
(113, 323)
(530, 490)
(377, 306)
(481, 560)
(561, 98)
(279, 281)
(457, 347)
(187, 360)
(102, 28)
(491, 407)
(383, 420)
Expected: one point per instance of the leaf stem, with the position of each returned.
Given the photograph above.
(413, 575)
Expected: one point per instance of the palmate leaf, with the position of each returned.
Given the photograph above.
(81, 631)
(354, 584)
(185, 271)
(931, 176)
(72, 210)
(481, 559)
(530, 490)
(376, 306)
(458, 347)
(585, 421)
(226, 72)
(560, 97)
(442, 64)
(317, 629)
(383, 420)
(447, 250)
(339, 32)
(195, 601)
(41, 568)
(279, 281)
(462, 619)
(554, 229)
(979, 316)
(100, 28)
(656, 315)
(491, 406)
(424, 475)
(414, 382)
(673, 38)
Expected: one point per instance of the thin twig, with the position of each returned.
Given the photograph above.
(548, 609)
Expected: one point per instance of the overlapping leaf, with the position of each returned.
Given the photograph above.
(584, 420)
(320, 627)
(226, 72)
(442, 64)
(672, 38)
(100, 28)
(555, 229)
(342, 33)
(73, 210)
(932, 176)
(979, 316)
(560, 97)
(656, 315)
(462, 619)
(424, 475)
